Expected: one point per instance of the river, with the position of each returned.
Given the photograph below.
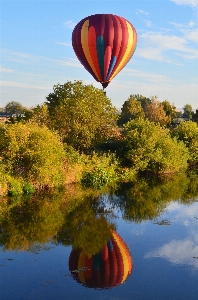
(136, 240)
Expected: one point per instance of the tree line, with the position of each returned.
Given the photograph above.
(78, 135)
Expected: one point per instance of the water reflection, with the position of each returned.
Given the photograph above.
(108, 268)
(146, 198)
(77, 217)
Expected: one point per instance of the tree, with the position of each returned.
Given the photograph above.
(150, 147)
(188, 112)
(154, 112)
(188, 133)
(169, 109)
(195, 116)
(131, 109)
(142, 99)
(14, 107)
(82, 114)
(33, 153)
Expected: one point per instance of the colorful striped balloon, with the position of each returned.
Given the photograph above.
(108, 268)
(104, 43)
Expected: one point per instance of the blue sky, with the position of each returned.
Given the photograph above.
(36, 51)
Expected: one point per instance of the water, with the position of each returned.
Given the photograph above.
(51, 246)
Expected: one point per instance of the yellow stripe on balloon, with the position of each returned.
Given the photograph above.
(85, 46)
(127, 52)
(124, 256)
(81, 264)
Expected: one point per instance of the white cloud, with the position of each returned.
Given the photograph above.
(22, 85)
(148, 23)
(141, 12)
(191, 24)
(64, 44)
(178, 252)
(156, 44)
(69, 24)
(186, 2)
(5, 70)
(192, 35)
(151, 77)
(25, 58)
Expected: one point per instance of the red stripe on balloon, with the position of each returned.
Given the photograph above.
(105, 273)
(119, 262)
(98, 22)
(113, 268)
(88, 267)
(105, 252)
(73, 259)
(118, 33)
(93, 49)
(124, 43)
(77, 45)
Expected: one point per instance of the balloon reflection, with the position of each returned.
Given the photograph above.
(108, 268)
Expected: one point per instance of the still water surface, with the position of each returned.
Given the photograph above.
(137, 241)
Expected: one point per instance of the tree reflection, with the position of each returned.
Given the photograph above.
(86, 218)
(146, 198)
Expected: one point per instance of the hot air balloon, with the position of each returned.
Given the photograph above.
(108, 268)
(104, 43)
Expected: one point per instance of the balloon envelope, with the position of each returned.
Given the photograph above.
(104, 43)
(108, 268)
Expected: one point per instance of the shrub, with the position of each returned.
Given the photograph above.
(100, 170)
(188, 133)
(150, 147)
(34, 153)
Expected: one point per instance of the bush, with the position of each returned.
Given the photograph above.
(188, 133)
(149, 147)
(33, 153)
(15, 187)
(100, 170)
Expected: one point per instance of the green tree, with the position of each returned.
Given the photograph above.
(32, 152)
(150, 147)
(38, 114)
(142, 99)
(82, 114)
(14, 107)
(170, 110)
(154, 112)
(195, 116)
(131, 109)
(188, 111)
(188, 133)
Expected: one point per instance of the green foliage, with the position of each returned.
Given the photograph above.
(170, 110)
(188, 133)
(188, 112)
(28, 188)
(149, 147)
(97, 177)
(72, 155)
(38, 114)
(15, 187)
(131, 109)
(101, 170)
(142, 99)
(33, 153)
(82, 114)
(3, 180)
(146, 198)
(14, 107)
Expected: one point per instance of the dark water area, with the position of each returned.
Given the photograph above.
(135, 241)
